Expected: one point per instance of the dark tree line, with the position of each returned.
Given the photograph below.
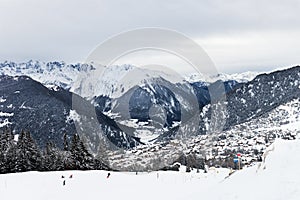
(24, 155)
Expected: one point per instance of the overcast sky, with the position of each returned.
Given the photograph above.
(248, 35)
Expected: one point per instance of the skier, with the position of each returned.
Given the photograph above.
(71, 176)
(108, 175)
(64, 181)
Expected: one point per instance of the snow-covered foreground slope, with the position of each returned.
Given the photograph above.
(278, 177)
(95, 185)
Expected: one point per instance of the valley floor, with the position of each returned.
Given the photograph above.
(278, 177)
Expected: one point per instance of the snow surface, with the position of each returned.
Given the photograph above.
(277, 177)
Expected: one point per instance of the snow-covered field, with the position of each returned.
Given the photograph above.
(278, 177)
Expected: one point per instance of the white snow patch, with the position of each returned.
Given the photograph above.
(16, 137)
(3, 114)
(2, 100)
(4, 123)
(243, 100)
(73, 116)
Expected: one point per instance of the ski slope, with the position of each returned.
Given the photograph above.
(95, 184)
(278, 177)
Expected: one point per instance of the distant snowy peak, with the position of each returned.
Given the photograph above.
(239, 77)
(51, 73)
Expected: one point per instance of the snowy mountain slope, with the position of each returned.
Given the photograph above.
(259, 96)
(264, 93)
(276, 178)
(28, 105)
(31, 106)
(284, 117)
(252, 138)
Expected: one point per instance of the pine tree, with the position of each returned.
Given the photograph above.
(82, 159)
(28, 155)
(7, 152)
(52, 159)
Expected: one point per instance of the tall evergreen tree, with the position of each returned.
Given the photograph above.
(28, 154)
(52, 159)
(82, 159)
(7, 152)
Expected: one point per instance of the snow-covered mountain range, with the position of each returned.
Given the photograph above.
(135, 106)
(114, 80)
(49, 74)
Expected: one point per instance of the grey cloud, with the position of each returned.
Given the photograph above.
(69, 30)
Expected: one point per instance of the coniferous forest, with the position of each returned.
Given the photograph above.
(24, 155)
